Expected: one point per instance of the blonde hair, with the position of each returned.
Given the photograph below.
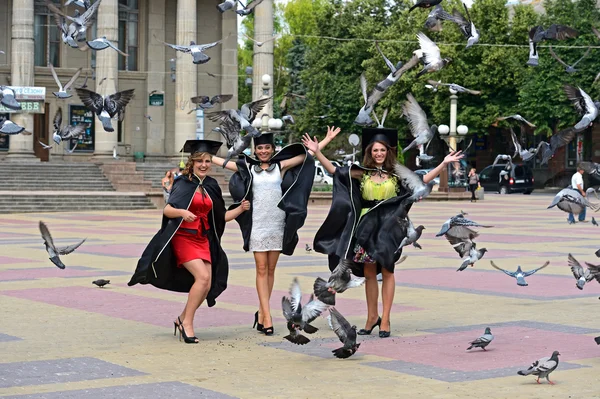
(189, 165)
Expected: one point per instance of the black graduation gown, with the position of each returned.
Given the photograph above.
(378, 231)
(158, 265)
(296, 186)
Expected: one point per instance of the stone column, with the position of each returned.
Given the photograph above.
(157, 68)
(107, 66)
(263, 56)
(186, 74)
(22, 73)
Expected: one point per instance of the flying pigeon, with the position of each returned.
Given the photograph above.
(226, 5)
(413, 183)
(68, 33)
(363, 118)
(592, 168)
(432, 57)
(299, 317)
(557, 140)
(483, 340)
(248, 8)
(504, 157)
(80, 23)
(7, 98)
(70, 151)
(412, 233)
(84, 4)
(307, 248)
(435, 17)
(571, 201)
(345, 332)
(62, 91)
(584, 104)
(339, 281)
(594, 221)
(526, 155)
(380, 123)
(205, 102)
(583, 275)
(288, 119)
(66, 132)
(419, 126)
(9, 127)
(460, 227)
(543, 367)
(569, 68)
(196, 50)
(516, 117)
(598, 253)
(554, 32)
(466, 26)
(260, 44)
(55, 251)
(101, 282)
(103, 43)
(106, 107)
(520, 274)
(425, 4)
(453, 86)
(467, 250)
(45, 146)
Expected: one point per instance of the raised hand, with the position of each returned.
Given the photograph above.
(311, 144)
(454, 156)
(332, 131)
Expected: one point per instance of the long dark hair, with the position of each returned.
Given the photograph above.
(388, 163)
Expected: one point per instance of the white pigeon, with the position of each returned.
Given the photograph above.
(432, 57)
(62, 91)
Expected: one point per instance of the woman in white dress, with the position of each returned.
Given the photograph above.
(278, 187)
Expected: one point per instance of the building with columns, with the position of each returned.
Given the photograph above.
(156, 122)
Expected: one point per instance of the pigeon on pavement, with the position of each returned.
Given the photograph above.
(542, 367)
(54, 251)
(594, 221)
(583, 275)
(483, 340)
(520, 274)
(299, 317)
(101, 282)
(307, 248)
(339, 281)
(345, 332)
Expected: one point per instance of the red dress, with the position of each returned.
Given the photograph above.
(187, 246)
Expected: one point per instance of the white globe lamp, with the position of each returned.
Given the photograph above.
(266, 79)
(275, 124)
(443, 129)
(462, 130)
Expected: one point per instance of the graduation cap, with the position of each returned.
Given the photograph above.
(210, 146)
(387, 136)
(265, 138)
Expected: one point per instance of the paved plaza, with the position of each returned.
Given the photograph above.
(62, 337)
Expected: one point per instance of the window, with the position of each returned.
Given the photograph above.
(128, 34)
(47, 36)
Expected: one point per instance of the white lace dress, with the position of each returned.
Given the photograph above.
(268, 220)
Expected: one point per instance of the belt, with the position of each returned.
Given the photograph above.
(191, 231)
(370, 203)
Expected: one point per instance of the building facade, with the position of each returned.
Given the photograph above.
(158, 120)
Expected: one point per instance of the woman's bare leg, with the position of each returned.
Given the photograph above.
(261, 260)
(201, 271)
(388, 288)
(372, 293)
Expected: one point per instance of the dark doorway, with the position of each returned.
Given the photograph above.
(40, 133)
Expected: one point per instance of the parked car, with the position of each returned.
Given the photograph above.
(518, 180)
(423, 172)
(321, 175)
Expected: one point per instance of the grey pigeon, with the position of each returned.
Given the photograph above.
(597, 339)
(412, 233)
(417, 121)
(66, 132)
(453, 86)
(8, 98)
(483, 340)
(587, 108)
(569, 68)
(106, 107)
(226, 5)
(101, 282)
(62, 91)
(68, 33)
(425, 4)
(248, 8)
(413, 183)
(467, 250)
(307, 248)
(260, 44)
(196, 50)
(526, 155)
(345, 332)
(592, 168)
(382, 121)
(583, 275)
(460, 227)
(434, 19)
(9, 127)
(520, 274)
(70, 151)
(45, 146)
(103, 43)
(594, 221)
(288, 119)
(542, 367)
(205, 102)
(84, 4)
(432, 57)
(538, 34)
(560, 139)
(54, 251)
(396, 71)
(80, 23)
(236, 143)
(516, 117)
(504, 157)
(339, 281)
(571, 201)
(597, 253)
(84, 85)
(299, 317)
(466, 26)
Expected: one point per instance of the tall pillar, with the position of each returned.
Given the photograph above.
(453, 112)
(263, 56)
(107, 66)
(157, 64)
(22, 73)
(186, 84)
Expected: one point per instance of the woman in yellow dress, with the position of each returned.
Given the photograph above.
(362, 223)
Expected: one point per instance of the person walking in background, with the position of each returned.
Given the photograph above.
(577, 184)
(473, 183)
(167, 184)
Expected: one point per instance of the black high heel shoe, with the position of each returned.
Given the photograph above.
(177, 326)
(259, 327)
(383, 333)
(269, 330)
(363, 331)
(186, 339)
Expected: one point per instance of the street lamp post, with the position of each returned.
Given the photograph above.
(452, 135)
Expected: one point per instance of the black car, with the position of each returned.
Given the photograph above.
(517, 180)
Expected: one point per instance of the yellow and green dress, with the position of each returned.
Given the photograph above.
(372, 193)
